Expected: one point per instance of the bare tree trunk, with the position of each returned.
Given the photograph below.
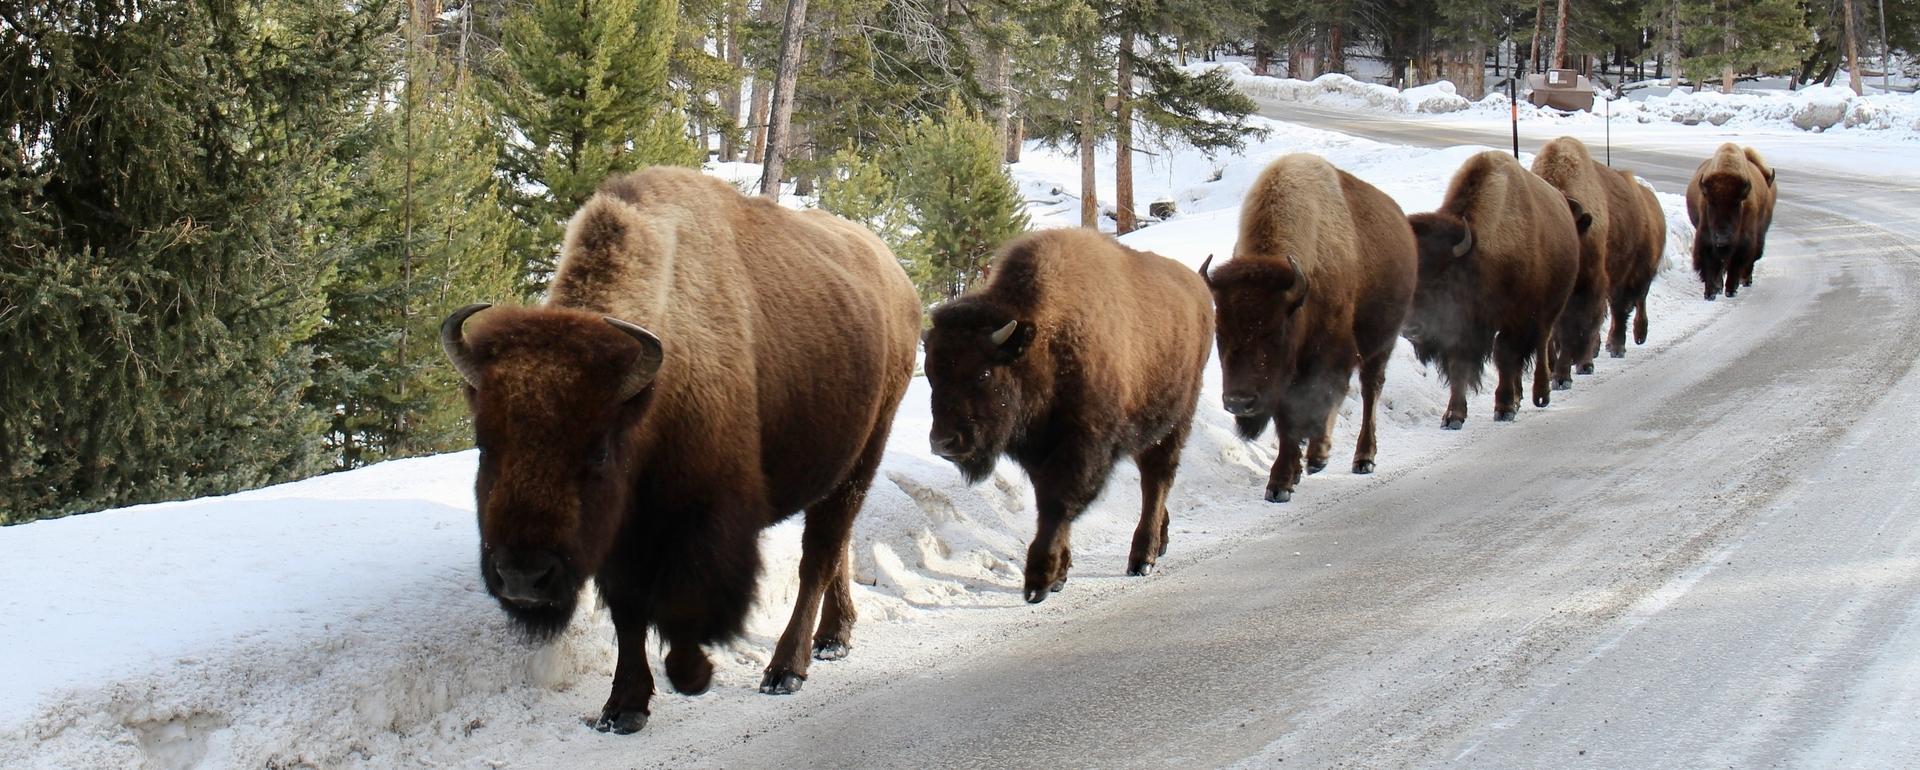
(1727, 39)
(781, 109)
(1000, 80)
(730, 97)
(1560, 38)
(1089, 200)
(1673, 43)
(1016, 136)
(1853, 49)
(1539, 20)
(1123, 139)
(1336, 42)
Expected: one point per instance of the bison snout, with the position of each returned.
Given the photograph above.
(527, 578)
(1238, 404)
(948, 445)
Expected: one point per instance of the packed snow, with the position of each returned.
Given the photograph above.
(340, 620)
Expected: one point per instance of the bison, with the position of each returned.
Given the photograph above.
(1321, 279)
(705, 365)
(1730, 201)
(1497, 263)
(1566, 164)
(1638, 241)
(1076, 352)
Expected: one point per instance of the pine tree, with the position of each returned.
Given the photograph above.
(1727, 38)
(583, 88)
(963, 203)
(167, 170)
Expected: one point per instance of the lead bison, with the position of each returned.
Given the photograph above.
(1638, 243)
(1076, 352)
(1566, 164)
(1319, 283)
(1497, 263)
(1730, 201)
(705, 365)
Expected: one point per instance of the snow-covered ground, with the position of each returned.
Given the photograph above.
(339, 621)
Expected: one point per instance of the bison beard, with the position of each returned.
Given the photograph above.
(650, 467)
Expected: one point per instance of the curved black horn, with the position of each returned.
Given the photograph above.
(1465, 245)
(647, 366)
(456, 346)
(1203, 270)
(1299, 284)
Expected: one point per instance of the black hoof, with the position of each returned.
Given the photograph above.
(622, 722)
(1503, 416)
(829, 649)
(781, 682)
(1316, 466)
(1058, 586)
(1559, 384)
(1617, 353)
(1037, 595)
(1455, 424)
(1539, 401)
(1279, 495)
(1746, 282)
(1583, 369)
(1142, 569)
(1362, 467)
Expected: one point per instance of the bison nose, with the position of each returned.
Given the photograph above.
(527, 578)
(1238, 404)
(946, 445)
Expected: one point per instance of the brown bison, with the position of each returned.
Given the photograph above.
(705, 365)
(1319, 283)
(1497, 263)
(1076, 352)
(1638, 241)
(1566, 164)
(1730, 202)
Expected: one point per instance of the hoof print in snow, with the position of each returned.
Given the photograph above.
(621, 723)
(830, 649)
(781, 682)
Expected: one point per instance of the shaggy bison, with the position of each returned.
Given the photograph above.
(1319, 283)
(1566, 164)
(1730, 201)
(1638, 241)
(1497, 263)
(705, 365)
(1076, 352)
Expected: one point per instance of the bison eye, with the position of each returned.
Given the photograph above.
(984, 376)
(600, 456)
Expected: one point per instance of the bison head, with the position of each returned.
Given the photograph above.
(973, 349)
(556, 396)
(1445, 298)
(1256, 301)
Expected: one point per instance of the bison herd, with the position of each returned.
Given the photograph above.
(708, 364)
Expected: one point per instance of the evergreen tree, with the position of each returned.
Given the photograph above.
(963, 203)
(583, 88)
(1724, 38)
(167, 169)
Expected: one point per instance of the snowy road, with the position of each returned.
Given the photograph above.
(1710, 557)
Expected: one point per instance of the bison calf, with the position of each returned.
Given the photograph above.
(1730, 202)
(1497, 263)
(1319, 283)
(706, 364)
(1076, 352)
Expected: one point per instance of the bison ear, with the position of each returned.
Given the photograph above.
(1581, 219)
(1010, 342)
(645, 366)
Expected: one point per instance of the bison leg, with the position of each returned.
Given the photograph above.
(1640, 320)
(1617, 327)
(1456, 416)
(1157, 466)
(626, 710)
(823, 574)
(1050, 555)
(1373, 376)
(1320, 447)
(1286, 468)
(1510, 360)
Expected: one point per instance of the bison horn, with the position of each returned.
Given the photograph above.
(1299, 284)
(1002, 334)
(1203, 270)
(455, 345)
(652, 353)
(1465, 245)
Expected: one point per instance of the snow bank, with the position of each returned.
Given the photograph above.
(340, 621)
(1336, 90)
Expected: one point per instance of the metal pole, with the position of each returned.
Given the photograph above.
(1609, 108)
(1886, 51)
(1513, 101)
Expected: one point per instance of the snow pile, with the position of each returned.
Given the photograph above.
(340, 621)
(1336, 90)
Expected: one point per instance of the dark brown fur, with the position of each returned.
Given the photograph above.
(1566, 164)
(1730, 201)
(1639, 242)
(788, 342)
(1104, 360)
(1501, 298)
(1320, 281)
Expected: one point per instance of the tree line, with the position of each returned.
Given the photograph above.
(228, 228)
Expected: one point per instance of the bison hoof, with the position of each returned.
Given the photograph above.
(1142, 569)
(1541, 401)
(1453, 423)
(1163, 547)
(1504, 416)
(621, 722)
(1583, 369)
(1746, 282)
(1316, 466)
(1618, 353)
(1037, 595)
(781, 682)
(1279, 495)
(830, 649)
(1362, 467)
(1560, 384)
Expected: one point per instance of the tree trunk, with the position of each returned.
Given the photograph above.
(1089, 202)
(1000, 80)
(1560, 38)
(1539, 21)
(1727, 39)
(781, 109)
(1123, 139)
(1336, 43)
(1673, 42)
(1016, 136)
(730, 95)
(1853, 49)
